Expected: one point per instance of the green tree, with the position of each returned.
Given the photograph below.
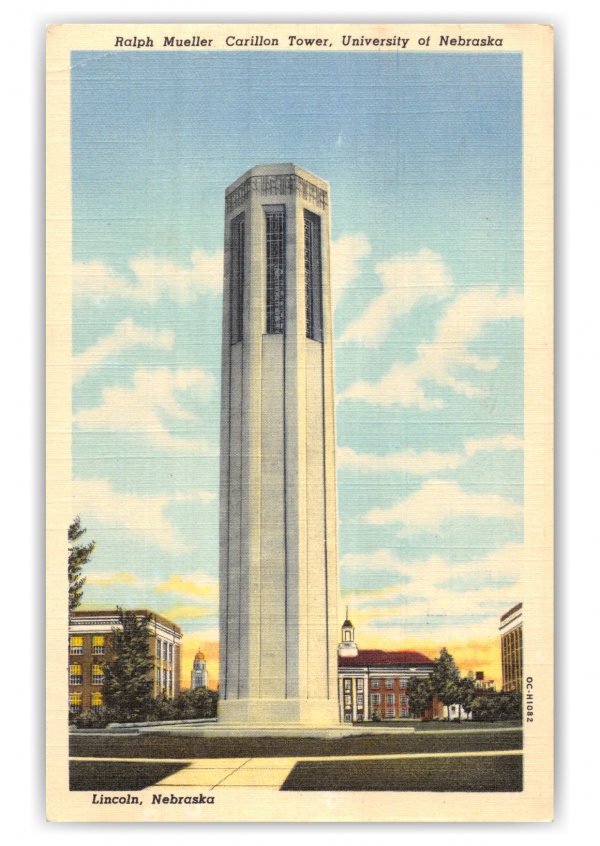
(128, 677)
(467, 693)
(419, 695)
(197, 703)
(499, 707)
(79, 554)
(445, 679)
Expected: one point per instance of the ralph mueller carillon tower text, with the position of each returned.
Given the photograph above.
(278, 510)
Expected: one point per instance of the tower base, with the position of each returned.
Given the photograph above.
(264, 712)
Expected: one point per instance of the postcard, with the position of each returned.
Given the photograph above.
(299, 422)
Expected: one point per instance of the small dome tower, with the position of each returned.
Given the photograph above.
(348, 647)
(199, 673)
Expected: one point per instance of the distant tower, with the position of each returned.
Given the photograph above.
(199, 672)
(347, 648)
(278, 526)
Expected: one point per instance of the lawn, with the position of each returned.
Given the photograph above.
(192, 746)
(118, 775)
(489, 774)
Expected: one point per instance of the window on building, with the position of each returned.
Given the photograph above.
(360, 700)
(157, 679)
(360, 684)
(98, 644)
(97, 701)
(164, 679)
(348, 699)
(403, 681)
(75, 674)
(76, 645)
(404, 711)
(374, 684)
(313, 276)
(347, 684)
(171, 682)
(164, 650)
(390, 699)
(97, 674)
(375, 699)
(158, 648)
(75, 703)
(403, 699)
(171, 652)
(389, 683)
(236, 306)
(275, 260)
(347, 718)
(390, 713)
(347, 635)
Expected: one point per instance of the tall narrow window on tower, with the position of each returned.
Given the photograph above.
(312, 271)
(237, 278)
(275, 240)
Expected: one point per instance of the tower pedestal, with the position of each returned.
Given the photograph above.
(312, 712)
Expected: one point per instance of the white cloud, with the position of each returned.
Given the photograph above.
(406, 280)
(507, 442)
(437, 361)
(380, 559)
(437, 501)
(436, 588)
(154, 278)
(142, 407)
(426, 462)
(416, 463)
(126, 335)
(142, 515)
(202, 496)
(346, 254)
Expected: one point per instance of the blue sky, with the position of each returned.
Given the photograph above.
(423, 156)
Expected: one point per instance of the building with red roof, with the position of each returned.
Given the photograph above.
(372, 682)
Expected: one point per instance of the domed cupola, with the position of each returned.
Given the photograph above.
(347, 647)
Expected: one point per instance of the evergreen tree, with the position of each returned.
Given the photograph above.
(79, 555)
(419, 695)
(445, 679)
(128, 678)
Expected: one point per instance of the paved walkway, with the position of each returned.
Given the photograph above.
(265, 773)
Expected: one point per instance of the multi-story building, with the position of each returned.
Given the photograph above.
(511, 645)
(373, 684)
(199, 671)
(90, 648)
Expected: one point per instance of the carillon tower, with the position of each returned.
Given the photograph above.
(278, 517)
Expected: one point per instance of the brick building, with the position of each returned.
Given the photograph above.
(90, 642)
(373, 683)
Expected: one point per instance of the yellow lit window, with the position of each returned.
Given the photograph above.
(98, 644)
(75, 703)
(75, 674)
(97, 701)
(76, 645)
(97, 674)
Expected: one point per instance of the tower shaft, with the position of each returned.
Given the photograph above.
(278, 518)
